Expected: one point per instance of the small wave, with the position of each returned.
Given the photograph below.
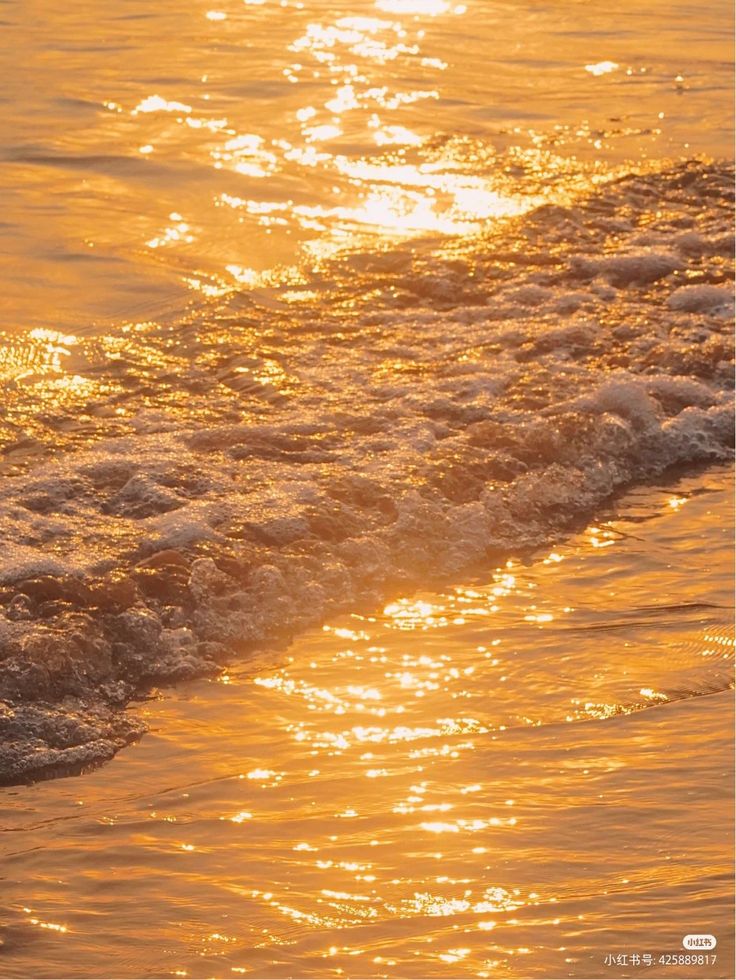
(177, 495)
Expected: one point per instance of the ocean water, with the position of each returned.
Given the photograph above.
(517, 776)
(310, 311)
(156, 154)
(308, 305)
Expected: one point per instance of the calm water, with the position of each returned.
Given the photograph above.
(155, 154)
(511, 778)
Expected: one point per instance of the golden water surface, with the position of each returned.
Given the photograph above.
(512, 778)
(159, 153)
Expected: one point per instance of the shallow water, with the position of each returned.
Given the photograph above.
(155, 154)
(306, 307)
(513, 777)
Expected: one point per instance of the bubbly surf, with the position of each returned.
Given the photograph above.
(356, 325)
(297, 462)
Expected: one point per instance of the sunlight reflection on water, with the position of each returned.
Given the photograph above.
(279, 133)
(448, 780)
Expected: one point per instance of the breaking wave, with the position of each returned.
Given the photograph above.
(224, 482)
